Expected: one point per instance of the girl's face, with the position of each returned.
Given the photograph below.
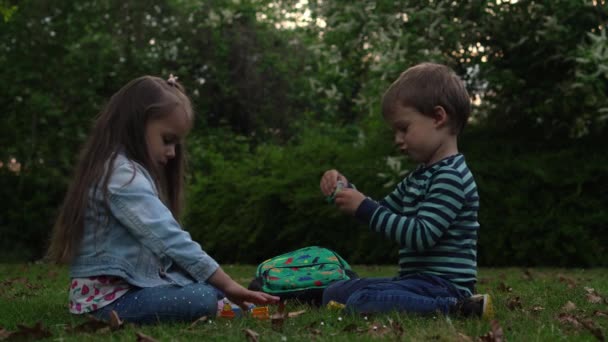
(164, 134)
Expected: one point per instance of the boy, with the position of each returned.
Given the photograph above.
(432, 213)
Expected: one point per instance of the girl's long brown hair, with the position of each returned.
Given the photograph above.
(121, 126)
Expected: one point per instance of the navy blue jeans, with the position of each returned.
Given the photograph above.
(416, 293)
(164, 304)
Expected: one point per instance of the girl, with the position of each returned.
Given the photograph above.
(118, 227)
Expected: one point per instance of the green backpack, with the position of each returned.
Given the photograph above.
(302, 274)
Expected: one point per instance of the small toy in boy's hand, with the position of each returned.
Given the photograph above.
(339, 186)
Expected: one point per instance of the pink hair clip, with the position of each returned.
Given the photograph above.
(172, 80)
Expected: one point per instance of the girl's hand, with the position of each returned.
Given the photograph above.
(241, 296)
(348, 200)
(329, 181)
(237, 293)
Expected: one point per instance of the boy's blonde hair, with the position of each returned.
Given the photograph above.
(425, 86)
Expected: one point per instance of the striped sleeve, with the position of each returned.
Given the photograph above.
(436, 212)
(394, 200)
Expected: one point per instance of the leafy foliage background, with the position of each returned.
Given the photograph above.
(281, 98)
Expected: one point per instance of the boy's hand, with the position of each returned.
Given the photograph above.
(348, 200)
(330, 180)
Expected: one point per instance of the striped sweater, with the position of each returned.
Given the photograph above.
(432, 214)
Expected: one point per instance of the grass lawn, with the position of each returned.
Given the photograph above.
(531, 305)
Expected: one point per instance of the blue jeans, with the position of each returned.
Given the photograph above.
(416, 293)
(164, 304)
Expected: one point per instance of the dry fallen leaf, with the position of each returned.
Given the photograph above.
(592, 296)
(528, 275)
(599, 313)
(565, 318)
(36, 332)
(4, 333)
(396, 328)
(315, 331)
(537, 308)
(295, 313)
(495, 334)
(115, 321)
(19, 287)
(594, 329)
(579, 323)
(312, 324)
(483, 281)
(251, 335)
(504, 287)
(197, 322)
(569, 306)
(144, 338)
(378, 329)
(463, 338)
(278, 318)
(91, 325)
(351, 327)
(34, 286)
(564, 279)
(11, 282)
(514, 303)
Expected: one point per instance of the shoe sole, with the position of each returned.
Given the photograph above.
(487, 311)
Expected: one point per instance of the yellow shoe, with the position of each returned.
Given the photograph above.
(335, 305)
(479, 305)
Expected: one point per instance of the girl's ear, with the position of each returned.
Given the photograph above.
(440, 116)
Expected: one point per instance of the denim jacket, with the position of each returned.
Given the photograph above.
(138, 239)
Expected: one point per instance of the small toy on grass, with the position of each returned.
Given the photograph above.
(333, 305)
(260, 312)
(339, 186)
(227, 309)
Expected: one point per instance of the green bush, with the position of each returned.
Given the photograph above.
(540, 205)
(267, 200)
(29, 202)
(538, 67)
(536, 207)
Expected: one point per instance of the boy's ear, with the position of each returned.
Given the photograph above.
(440, 116)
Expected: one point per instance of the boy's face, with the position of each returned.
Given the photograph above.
(418, 135)
(164, 134)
